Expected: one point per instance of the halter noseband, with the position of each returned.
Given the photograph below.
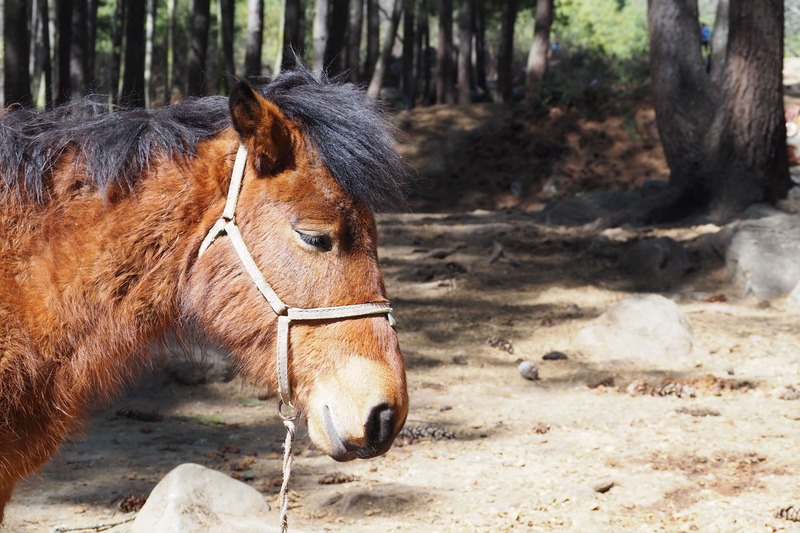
(226, 225)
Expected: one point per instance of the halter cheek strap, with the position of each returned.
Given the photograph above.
(226, 225)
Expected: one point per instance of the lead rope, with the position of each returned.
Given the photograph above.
(287, 472)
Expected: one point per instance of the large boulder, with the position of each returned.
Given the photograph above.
(193, 498)
(647, 330)
(764, 256)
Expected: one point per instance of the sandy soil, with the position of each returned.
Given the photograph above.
(478, 286)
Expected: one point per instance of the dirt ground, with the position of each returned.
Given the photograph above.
(478, 285)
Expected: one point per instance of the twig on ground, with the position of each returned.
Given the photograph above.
(96, 527)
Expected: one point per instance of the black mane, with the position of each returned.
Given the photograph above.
(349, 131)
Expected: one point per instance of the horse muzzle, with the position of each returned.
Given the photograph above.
(358, 413)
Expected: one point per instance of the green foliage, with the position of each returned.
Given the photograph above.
(600, 51)
(616, 31)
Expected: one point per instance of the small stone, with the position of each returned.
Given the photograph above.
(528, 370)
(555, 356)
(603, 486)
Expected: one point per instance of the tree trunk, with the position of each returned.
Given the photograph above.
(444, 71)
(537, 58)
(255, 37)
(719, 42)
(133, 77)
(44, 51)
(352, 65)
(226, 15)
(196, 56)
(409, 38)
(77, 51)
(465, 53)
(292, 33)
(63, 79)
(17, 83)
(724, 135)
(91, 43)
(116, 48)
(505, 52)
(480, 47)
(337, 36)
(33, 24)
(376, 82)
(169, 75)
(320, 35)
(423, 82)
(148, 51)
(373, 38)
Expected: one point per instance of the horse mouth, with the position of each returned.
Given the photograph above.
(339, 451)
(342, 451)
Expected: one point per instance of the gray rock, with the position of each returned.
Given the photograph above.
(759, 210)
(528, 370)
(586, 208)
(656, 263)
(794, 296)
(763, 257)
(714, 246)
(193, 498)
(647, 330)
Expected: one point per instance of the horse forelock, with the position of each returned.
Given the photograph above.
(349, 131)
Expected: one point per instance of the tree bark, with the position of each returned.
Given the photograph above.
(444, 70)
(292, 33)
(255, 37)
(116, 48)
(148, 53)
(337, 36)
(44, 52)
(376, 82)
(196, 56)
(505, 52)
(91, 43)
(64, 36)
(723, 134)
(480, 47)
(17, 83)
(537, 58)
(133, 77)
(226, 15)
(78, 50)
(465, 53)
(409, 39)
(373, 38)
(320, 35)
(423, 81)
(353, 63)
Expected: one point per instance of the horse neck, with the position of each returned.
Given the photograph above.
(84, 289)
(108, 278)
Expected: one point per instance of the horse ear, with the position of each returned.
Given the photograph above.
(262, 127)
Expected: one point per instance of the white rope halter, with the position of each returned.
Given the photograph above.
(286, 315)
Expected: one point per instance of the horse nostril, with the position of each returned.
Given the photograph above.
(380, 425)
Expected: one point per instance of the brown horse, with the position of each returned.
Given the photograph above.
(102, 218)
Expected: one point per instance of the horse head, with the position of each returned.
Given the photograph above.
(288, 279)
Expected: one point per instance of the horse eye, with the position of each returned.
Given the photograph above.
(321, 242)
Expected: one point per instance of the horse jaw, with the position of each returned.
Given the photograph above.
(357, 411)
